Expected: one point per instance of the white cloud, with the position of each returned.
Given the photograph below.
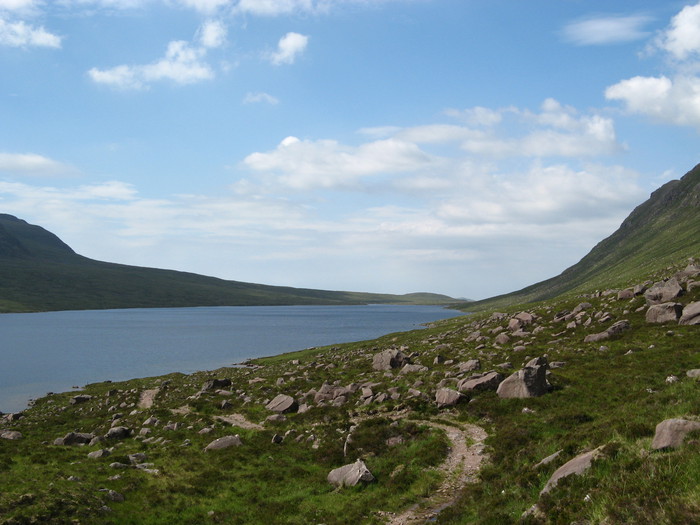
(289, 47)
(212, 34)
(254, 98)
(477, 116)
(17, 5)
(606, 30)
(183, 63)
(205, 6)
(31, 164)
(21, 34)
(307, 164)
(682, 38)
(276, 7)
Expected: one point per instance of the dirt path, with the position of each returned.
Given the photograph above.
(148, 397)
(461, 467)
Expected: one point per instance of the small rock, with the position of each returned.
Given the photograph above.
(224, 442)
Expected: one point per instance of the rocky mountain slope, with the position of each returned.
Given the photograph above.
(661, 231)
(40, 272)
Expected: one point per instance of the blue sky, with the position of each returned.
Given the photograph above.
(466, 147)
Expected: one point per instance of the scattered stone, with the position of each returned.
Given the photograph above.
(446, 397)
(664, 313)
(214, 384)
(615, 329)
(691, 314)
(663, 292)
(409, 368)
(350, 475)
(671, 433)
(74, 438)
(530, 381)
(389, 359)
(578, 466)
(97, 454)
(81, 398)
(118, 433)
(468, 366)
(694, 373)
(12, 435)
(486, 381)
(283, 404)
(548, 459)
(224, 442)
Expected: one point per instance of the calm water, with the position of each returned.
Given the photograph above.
(51, 352)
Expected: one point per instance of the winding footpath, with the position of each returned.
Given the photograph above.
(460, 468)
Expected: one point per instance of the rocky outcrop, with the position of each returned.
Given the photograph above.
(389, 359)
(350, 475)
(530, 381)
(671, 433)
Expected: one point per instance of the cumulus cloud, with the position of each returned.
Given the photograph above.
(606, 30)
(183, 63)
(675, 98)
(205, 6)
(277, 7)
(289, 48)
(254, 98)
(21, 34)
(304, 164)
(682, 38)
(31, 164)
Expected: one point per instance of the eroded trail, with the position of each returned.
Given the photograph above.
(460, 468)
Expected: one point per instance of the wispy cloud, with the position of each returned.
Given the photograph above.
(606, 30)
(31, 164)
(254, 98)
(22, 34)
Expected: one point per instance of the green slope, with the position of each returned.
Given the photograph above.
(661, 231)
(40, 272)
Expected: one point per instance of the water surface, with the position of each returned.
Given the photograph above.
(53, 351)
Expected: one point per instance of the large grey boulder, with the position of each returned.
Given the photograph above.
(214, 384)
(691, 314)
(74, 438)
(389, 359)
(578, 466)
(485, 381)
(408, 369)
(118, 433)
(12, 435)
(282, 404)
(350, 475)
(468, 366)
(671, 433)
(529, 381)
(616, 329)
(80, 398)
(224, 442)
(663, 292)
(664, 313)
(446, 397)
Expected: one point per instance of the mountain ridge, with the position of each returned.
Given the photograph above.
(39, 272)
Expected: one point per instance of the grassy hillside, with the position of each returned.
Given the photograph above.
(607, 396)
(39, 272)
(659, 232)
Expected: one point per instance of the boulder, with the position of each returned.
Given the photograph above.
(446, 397)
(664, 313)
(118, 433)
(350, 475)
(671, 433)
(694, 373)
(282, 404)
(12, 435)
(626, 294)
(530, 381)
(468, 366)
(502, 339)
(214, 384)
(97, 454)
(224, 442)
(74, 438)
(389, 359)
(408, 369)
(81, 398)
(663, 292)
(486, 381)
(615, 329)
(691, 314)
(578, 465)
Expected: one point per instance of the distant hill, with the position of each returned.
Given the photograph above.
(659, 232)
(39, 272)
